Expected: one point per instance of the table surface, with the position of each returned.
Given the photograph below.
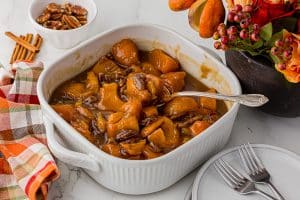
(250, 125)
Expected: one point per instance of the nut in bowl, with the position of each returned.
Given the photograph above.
(63, 23)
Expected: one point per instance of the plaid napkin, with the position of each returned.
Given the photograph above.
(26, 165)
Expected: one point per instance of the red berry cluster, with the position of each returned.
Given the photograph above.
(283, 50)
(240, 28)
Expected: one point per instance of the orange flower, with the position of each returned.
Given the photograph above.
(292, 70)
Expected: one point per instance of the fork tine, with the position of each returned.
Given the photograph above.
(223, 175)
(246, 156)
(233, 171)
(252, 160)
(233, 176)
(228, 174)
(244, 160)
(256, 158)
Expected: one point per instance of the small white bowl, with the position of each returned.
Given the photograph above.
(63, 39)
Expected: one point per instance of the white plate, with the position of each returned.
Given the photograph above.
(188, 194)
(283, 165)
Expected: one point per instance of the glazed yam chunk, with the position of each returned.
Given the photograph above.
(125, 52)
(174, 80)
(136, 87)
(119, 121)
(163, 61)
(66, 111)
(209, 103)
(110, 99)
(180, 106)
(133, 149)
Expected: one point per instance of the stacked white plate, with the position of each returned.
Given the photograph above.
(283, 165)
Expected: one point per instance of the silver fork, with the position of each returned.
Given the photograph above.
(256, 169)
(237, 181)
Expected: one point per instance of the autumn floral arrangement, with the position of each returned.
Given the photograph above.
(268, 28)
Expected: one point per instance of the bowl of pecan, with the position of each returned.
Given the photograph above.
(63, 23)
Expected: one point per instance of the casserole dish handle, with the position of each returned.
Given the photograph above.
(70, 157)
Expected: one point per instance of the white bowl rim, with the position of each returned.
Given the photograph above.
(102, 154)
(33, 21)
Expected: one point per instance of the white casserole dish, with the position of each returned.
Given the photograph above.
(137, 176)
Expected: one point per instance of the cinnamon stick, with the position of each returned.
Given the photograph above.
(22, 42)
(24, 51)
(15, 52)
(37, 43)
(20, 49)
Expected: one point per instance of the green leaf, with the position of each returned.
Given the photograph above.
(258, 44)
(266, 31)
(276, 36)
(275, 59)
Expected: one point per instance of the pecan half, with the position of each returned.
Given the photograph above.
(56, 16)
(78, 10)
(126, 135)
(56, 25)
(68, 8)
(54, 8)
(83, 22)
(139, 81)
(43, 18)
(82, 17)
(71, 21)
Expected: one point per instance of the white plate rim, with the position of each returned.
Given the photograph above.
(230, 150)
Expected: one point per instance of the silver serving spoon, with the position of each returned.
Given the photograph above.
(251, 100)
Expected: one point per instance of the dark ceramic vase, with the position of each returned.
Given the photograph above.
(257, 75)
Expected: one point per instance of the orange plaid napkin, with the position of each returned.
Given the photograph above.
(26, 165)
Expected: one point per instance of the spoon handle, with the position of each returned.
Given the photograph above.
(251, 100)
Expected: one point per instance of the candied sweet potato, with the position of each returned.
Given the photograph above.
(149, 153)
(174, 80)
(101, 123)
(136, 69)
(119, 121)
(125, 52)
(109, 98)
(209, 103)
(85, 112)
(112, 149)
(66, 111)
(180, 106)
(158, 138)
(198, 127)
(132, 107)
(106, 66)
(171, 133)
(167, 136)
(92, 82)
(178, 5)
(163, 61)
(150, 111)
(152, 127)
(83, 127)
(74, 90)
(136, 87)
(133, 149)
(154, 85)
(150, 69)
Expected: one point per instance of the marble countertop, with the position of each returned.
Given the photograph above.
(250, 126)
